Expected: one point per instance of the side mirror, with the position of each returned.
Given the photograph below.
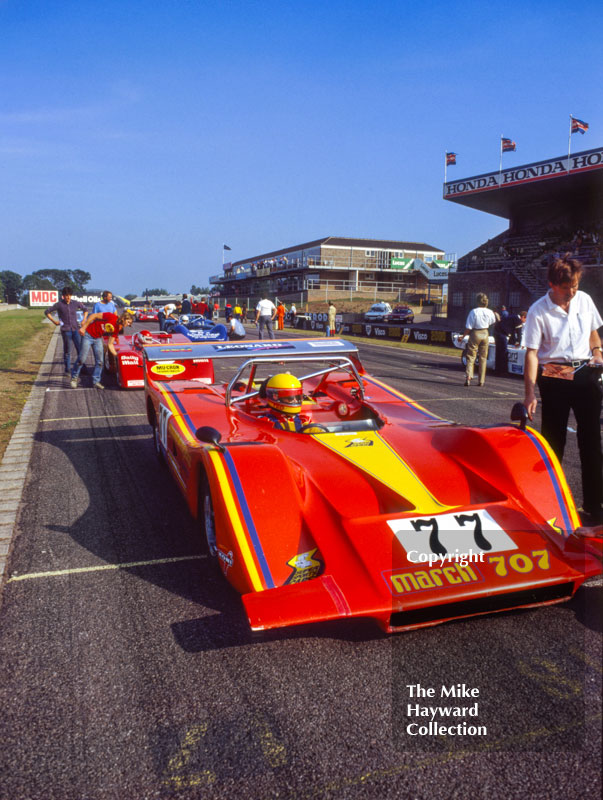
(209, 435)
(519, 413)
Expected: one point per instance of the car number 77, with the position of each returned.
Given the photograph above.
(452, 533)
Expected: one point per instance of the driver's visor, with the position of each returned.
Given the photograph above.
(286, 397)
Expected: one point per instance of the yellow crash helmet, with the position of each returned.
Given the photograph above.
(284, 393)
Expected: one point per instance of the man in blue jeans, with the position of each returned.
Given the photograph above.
(67, 309)
(92, 331)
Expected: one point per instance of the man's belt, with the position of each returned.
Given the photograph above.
(576, 363)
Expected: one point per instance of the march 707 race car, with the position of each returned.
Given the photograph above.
(355, 501)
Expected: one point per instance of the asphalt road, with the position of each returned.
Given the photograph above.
(129, 670)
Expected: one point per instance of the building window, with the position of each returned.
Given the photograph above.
(514, 299)
(457, 298)
(494, 299)
(370, 253)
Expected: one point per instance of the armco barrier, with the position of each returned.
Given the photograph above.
(379, 330)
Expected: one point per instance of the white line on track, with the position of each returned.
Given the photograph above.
(98, 416)
(102, 567)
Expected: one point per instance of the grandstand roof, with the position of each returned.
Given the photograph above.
(342, 241)
(560, 182)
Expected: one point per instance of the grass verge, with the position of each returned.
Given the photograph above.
(23, 343)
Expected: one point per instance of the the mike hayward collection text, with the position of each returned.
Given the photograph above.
(429, 716)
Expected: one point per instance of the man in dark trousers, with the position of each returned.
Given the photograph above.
(563, 344)
(66, 309)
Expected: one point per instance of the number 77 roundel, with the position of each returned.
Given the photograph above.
(451, 533)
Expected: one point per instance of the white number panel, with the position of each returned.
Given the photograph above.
(164, 416)
(452, 533)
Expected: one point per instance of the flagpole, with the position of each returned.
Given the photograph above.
(445, 165)
(500, 165)
(569, 143)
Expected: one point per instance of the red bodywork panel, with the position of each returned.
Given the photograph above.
(385, 511)
(127, 366)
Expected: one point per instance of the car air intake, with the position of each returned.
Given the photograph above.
(483, 605)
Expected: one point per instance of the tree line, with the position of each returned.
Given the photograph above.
(13, 286)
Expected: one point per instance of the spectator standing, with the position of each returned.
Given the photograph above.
(265, 312)
(244, 312)
(216, 312)
(562, 339)
(237, 311)
(227, 312)
(186, 305)
(331, 319)
(513, 326)
(280, 316)
(106, 304)
(476, 327)
(67, 312)
(94, 327)
(293, 313)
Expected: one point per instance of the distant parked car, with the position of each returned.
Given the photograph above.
(377, 312)
(401, 314)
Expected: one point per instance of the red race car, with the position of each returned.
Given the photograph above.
(323, 493)
(127, 366)
(147, 315)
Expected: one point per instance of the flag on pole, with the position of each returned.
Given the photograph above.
(450, 159)
(226, 247)
(507, 145)
(578, 126)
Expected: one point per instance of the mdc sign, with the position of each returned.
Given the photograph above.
(43, 297)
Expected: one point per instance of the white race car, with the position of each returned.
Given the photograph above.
(516, 355)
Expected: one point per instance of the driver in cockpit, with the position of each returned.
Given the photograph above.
(284, 395)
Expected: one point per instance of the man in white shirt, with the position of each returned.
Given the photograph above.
(236, 330)
(265, 312)
(479, 320)
(167, 312)
(563, 343)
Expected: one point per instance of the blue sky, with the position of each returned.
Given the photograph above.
(137, 137)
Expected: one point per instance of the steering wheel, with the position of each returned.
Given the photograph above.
(305, 428)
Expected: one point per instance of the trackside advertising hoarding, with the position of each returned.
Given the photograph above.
(377, 330)
(42, 298)
(540, 170)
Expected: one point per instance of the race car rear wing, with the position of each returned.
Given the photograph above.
(271, 348)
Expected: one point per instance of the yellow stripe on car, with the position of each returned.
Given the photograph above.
(177, 417)
(235, 519)
(371, 453)
(567, 495)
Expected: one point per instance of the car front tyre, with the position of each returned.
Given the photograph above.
(206, 517)
(157, 445)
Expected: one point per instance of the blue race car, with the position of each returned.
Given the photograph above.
(198, 329)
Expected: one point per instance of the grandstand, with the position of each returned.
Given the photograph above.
(553, 206)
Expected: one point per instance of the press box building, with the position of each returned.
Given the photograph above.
(336, 265)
